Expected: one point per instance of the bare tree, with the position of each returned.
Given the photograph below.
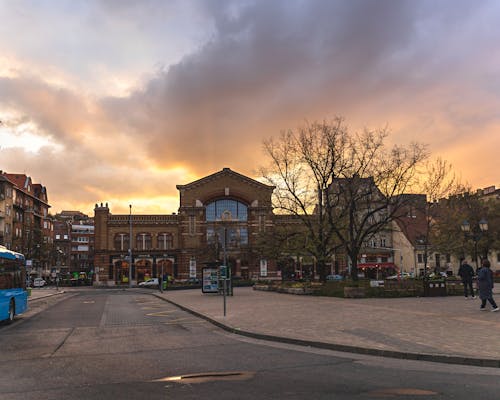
(344, 187)
(438, 182)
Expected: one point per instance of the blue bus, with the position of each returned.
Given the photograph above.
(13, 295)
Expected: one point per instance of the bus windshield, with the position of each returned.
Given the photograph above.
(13, 295)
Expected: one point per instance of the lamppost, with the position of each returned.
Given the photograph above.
(474, 234)
(130, 250)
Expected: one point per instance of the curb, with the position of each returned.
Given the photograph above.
(437, 358)
(45, 296)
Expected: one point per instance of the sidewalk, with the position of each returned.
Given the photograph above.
(442, 329)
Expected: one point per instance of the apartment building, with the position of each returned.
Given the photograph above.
(25, 224)
(74, 242)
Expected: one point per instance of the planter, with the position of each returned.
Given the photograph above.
(268, 288)
(354, 292)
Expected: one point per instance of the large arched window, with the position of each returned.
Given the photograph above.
(227, 219)
(226, 209)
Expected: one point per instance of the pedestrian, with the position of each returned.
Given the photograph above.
(466, 272)
(485, 285)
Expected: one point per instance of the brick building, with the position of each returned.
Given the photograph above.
(220, 217)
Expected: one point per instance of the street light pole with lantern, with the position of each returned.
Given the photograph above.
(130, 250)
(475, 234)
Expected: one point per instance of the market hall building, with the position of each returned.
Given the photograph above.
(221, 216)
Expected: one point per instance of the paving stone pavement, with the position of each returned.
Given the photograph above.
(445, 329)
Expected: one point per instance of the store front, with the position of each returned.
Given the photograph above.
(121, 271)
(165, 266)
(377, 270)
(143, 269)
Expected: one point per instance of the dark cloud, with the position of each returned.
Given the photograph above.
(422, 67)
(272, 64)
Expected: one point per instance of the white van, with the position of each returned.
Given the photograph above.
(39, 282)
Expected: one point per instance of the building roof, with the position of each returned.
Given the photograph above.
(23, 182)
(224, 172)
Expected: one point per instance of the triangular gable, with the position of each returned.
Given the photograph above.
(224, 172)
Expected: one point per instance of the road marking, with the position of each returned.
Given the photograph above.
(208, 377)
(161, 313)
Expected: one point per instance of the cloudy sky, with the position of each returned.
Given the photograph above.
(119, 101)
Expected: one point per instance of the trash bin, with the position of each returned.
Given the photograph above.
(434, 288)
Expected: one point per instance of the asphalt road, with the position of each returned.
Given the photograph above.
(118, 344)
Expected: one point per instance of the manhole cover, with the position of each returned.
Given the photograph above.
(208, 377)
(392, 392)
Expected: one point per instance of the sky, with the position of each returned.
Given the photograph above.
(119, 101)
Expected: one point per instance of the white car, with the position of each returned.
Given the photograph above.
(149, 282)
(404, 275)
(39, 282)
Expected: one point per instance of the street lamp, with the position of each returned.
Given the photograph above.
(474, 234)
(130, 250)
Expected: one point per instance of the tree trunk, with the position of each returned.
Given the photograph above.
(354, 265)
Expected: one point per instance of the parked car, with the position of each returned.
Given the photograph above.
(149, 282)
(438, 275)
(39, 282)
(404, 275)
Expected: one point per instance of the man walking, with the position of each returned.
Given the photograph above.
(485, 285)
(466, 272)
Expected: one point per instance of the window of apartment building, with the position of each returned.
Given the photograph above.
(8, 210)
(383, 242)
(121, 241)
(83, 239)
(165, 241)
(420, 258)
(143, 241)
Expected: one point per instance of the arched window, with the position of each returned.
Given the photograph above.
(226, 220)
(143, 241)
(121, 241)
(226, 209)
(165, 241)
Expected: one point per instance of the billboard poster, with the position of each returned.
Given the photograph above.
(192, 268)
(263, 267)
(210, 280)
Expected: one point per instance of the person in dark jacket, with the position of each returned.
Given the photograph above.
(485, 285)
(466, 272)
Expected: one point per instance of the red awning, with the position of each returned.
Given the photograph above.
(378, 265)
